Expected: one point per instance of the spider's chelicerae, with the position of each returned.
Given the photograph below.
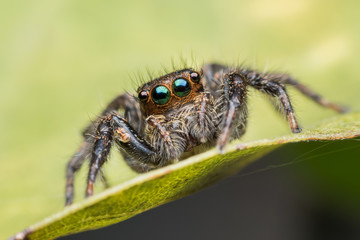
(179, 114)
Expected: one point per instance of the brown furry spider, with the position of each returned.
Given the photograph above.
(179, 114)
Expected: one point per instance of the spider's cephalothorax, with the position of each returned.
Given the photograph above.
(179, 114)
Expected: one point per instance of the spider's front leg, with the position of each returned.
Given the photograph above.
(165, 148)
(114, 127)
(132, 113)
(101, 149)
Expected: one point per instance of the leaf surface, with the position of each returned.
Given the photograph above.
(157, 187)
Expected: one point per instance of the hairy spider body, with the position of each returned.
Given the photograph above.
(177, 115)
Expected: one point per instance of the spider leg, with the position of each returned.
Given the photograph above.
(126, 102)
(132, 112)
(142, 155)
(275, 89)
(116, 128)
(100, 152)
(104, 179)
(235, 94)
(213, 74)
(73, 166)
(131, 107)
(286, 79)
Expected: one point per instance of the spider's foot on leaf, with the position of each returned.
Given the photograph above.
(296, 130)
(21, 235)
(221, 148)
(344, 110)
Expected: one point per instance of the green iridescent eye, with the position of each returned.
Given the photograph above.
(181, 87)
(160, 95)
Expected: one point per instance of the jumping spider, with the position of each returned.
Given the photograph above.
(179, 114)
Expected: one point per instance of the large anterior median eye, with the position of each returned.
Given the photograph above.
(181, 87)
(160, 95)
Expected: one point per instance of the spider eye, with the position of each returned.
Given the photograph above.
(160, 95)
(143, 96)
(181, 87)
(195, 77)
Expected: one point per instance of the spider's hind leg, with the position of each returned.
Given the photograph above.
(275, 89)
(286, 79)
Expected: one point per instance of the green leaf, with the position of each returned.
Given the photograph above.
(62, 61)
(157, 187)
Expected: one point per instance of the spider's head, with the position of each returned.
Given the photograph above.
(169, 92)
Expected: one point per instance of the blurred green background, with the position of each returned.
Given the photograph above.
(62, 61)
